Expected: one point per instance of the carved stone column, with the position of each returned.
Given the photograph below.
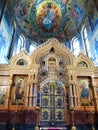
(27, 94)
(74, 96)
(95, 94)
(30, 95)
(8, 91)
(70, 96)
(35, 92)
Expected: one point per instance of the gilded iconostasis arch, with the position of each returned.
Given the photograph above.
(58, 49)
(21, 57)
(84, 61)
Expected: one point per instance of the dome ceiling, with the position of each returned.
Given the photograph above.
(49, 18)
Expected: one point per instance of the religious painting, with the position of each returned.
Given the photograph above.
(45, 101)
(82, 64)
(93, 16)
(84, 92)
(58, 89)
(59, 101)
(46, 114)
(46, 88)
(94, 46)
(20, 84)
(48, 14)
(5, 39)
(59, 115)
(2, 94)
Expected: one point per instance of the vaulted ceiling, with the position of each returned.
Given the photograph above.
(51, 18)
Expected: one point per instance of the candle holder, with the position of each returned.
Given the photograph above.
(36, 128)
(91, 114)
(73, 127)
(72, 112)
(93, 128)
(13, 128)
(15, 114)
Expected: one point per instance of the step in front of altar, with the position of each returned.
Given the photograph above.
(53, 128)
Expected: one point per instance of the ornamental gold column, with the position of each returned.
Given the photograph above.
(35, 94)
(27, 94)
(30, 95)
(95, 95)
(8, 91)
(71, 96)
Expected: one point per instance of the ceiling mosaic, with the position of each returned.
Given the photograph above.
(50, 18)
